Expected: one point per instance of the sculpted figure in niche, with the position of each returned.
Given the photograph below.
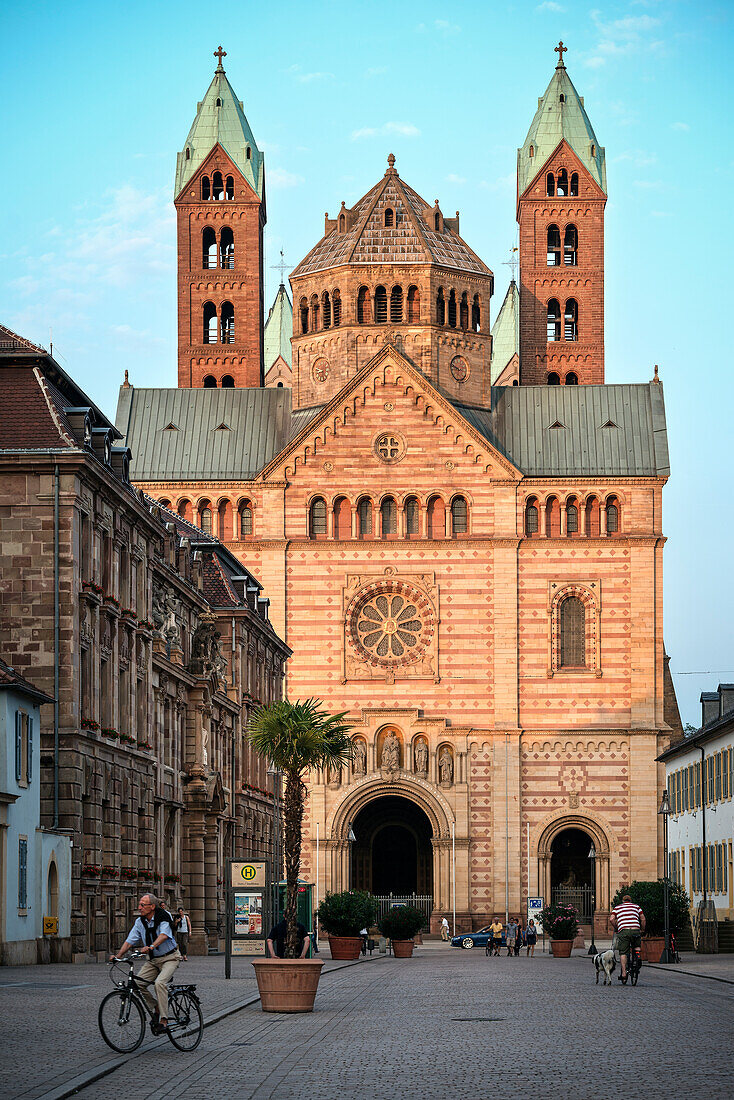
(421, 757)
(360, 758)
(390, 753)
(333, 776)
(446, 767)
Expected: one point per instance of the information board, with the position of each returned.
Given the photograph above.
(535, 906)
(248, 909)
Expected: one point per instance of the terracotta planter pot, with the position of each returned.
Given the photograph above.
(402, 949)
(651, 948)
(287, 985)
(561, 948)
(345, 947)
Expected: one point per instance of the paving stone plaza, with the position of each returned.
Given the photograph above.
(447, 1023)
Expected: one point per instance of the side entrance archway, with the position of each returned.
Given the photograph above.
(572, 871)
(567, 874)
(392, 852)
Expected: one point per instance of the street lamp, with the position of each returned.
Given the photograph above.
(351, 838)
(274, 772)
(592, 857)
(664, 811)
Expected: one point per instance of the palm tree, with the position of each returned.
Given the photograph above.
(297, 737)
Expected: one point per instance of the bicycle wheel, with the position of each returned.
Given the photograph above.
(121, 1021)
(185, 1022)
(635, 968)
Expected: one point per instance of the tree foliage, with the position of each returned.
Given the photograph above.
(650, 898)
(346, 914)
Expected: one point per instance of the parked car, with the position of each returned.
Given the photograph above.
(467, 940)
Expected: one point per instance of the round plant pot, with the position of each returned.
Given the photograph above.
(561, 948)
(345, 947)
(287, 985)
(651, 948)
(402, 949)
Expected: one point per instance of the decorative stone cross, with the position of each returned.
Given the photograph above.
(560, 50)
(281, 267)
(220, 53)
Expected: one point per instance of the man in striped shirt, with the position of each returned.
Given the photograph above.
(628, 921)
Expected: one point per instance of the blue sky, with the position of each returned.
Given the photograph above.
(98, 98)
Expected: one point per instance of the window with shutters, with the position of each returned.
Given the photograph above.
(572, 628)
(23, 747)
(717, 789)
(317, 519)
(23, 872)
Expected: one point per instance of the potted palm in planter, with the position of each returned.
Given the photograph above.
(650, 896)
(561, 923)
(344, 916)
(296, 737)
(400, 924)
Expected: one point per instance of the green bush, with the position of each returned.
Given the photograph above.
(402, 923)
(649, 896)
(560, 922)
(346, 914)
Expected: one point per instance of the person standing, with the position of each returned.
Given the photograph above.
(531, 937)
(183, 931)
(444, 929)
(510, 936)
(519, 934)
(496, 930)
(152, 933)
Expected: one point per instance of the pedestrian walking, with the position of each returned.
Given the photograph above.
(183, 931)
(444, 929)
(531, 937)
(510, 934)
(519, 938)
(496, 929)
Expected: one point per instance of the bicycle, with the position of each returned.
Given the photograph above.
(634, 961)
(122, 1012)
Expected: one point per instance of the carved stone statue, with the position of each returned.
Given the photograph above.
(421, 757)
(390, 760)
(446, 767)
(333, 777)
(360, 758)
(206, 656)
(205, 747)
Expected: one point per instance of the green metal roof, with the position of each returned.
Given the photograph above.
(560, 116)
(506, 332)
(278, 329)
(227, 125)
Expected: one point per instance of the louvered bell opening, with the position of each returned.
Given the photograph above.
(381, 305)
(337, 309)
(396, 305)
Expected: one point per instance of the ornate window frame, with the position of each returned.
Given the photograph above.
(589, 592)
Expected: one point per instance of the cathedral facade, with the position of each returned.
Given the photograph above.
(462, 543)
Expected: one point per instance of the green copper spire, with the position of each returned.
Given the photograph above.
(560, 115)
(220, 117)
(278, 329)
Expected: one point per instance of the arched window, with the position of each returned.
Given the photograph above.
(317, 518)
(188, 153)
(226, 247)
(217, 186)
(553, 256)
(572, 379)
(245, 519)
(164, 502)
(326, 309)
(562, 184)
(571, 320)
(229, 187)
(185, 510)
(342, 518)
(592, 525)
(336, 308)
(210, 323)
(206, 189)
(436, 518)
(554, 321)
(575, 182)
(205, 517)
(570, 246)
(531, 151)
(227, 323)
(414, 303)
(412, 517)
(459, 517)
(219, 103)
(363, 306)
(389, 517)
(476, 313)
(572, 629)
(380, 305)
(227, 382)
(437, 221)
(364, 518)
(209, 247)
(531, 517)
(612, 516)
(396, 305)
(342, 223)
(248, 153)
(550, 184)
(552, 517)
(303, 309)
(572, 517)
(389, 218)
(440, 307)
(314, 313)
(224, 516)
(554, 378)
(464, 312)
(210, 382)
(452, 309)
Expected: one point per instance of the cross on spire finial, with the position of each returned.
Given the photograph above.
(512, 263)
(560, 50)
(281, 267)
(220, 53)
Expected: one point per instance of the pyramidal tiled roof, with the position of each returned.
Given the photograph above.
(409, 240)
(560, 115)
(278, 329)
(220, 118)
(506, 332)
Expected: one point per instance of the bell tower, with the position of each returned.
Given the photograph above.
(220, 210)
(562, 192)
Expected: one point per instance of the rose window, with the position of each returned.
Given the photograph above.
(391, 624)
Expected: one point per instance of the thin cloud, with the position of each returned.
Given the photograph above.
(379, 71)
(453, 178)
(636, 157)
(442, 26)
(388, 129)
(683, 126)
(622, 37)
(280, 179)
(550, 6)
(307, 78)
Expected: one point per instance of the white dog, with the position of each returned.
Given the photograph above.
(605, 962)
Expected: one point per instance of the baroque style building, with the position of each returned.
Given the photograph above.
(471, 570)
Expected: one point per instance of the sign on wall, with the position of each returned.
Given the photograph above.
(247, 874)
(535, 906)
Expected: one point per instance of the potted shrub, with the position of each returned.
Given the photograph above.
(344, 916)
(400, 924)
(296, 737)
(561, 924)
(650, 896)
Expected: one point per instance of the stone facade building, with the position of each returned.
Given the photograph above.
(161, 643)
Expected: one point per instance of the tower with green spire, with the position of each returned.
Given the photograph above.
(561, 195)
(219, 196)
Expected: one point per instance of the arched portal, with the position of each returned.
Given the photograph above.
(392, 853)
(574, 864)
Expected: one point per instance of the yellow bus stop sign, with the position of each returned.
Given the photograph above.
(251, 873)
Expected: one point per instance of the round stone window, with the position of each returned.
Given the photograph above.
(390, 624)
(460, 368)
(320, 370)
(389, 447)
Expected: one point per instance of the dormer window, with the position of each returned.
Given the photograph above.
(188, 154)
(562, 98)
(219, 103)
(248, 153)
(593, 150)
(531, 151)
(389, 218)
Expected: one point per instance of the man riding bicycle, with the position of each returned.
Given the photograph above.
(152, 930)
(628, 921)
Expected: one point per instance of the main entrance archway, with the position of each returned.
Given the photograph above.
(392, 852)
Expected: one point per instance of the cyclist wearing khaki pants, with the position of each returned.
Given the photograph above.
(628, 921)
(153, 935)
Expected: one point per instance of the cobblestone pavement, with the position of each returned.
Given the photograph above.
(450, 1023)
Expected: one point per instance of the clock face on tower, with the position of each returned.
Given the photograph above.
(320, 370)
(460, 368)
